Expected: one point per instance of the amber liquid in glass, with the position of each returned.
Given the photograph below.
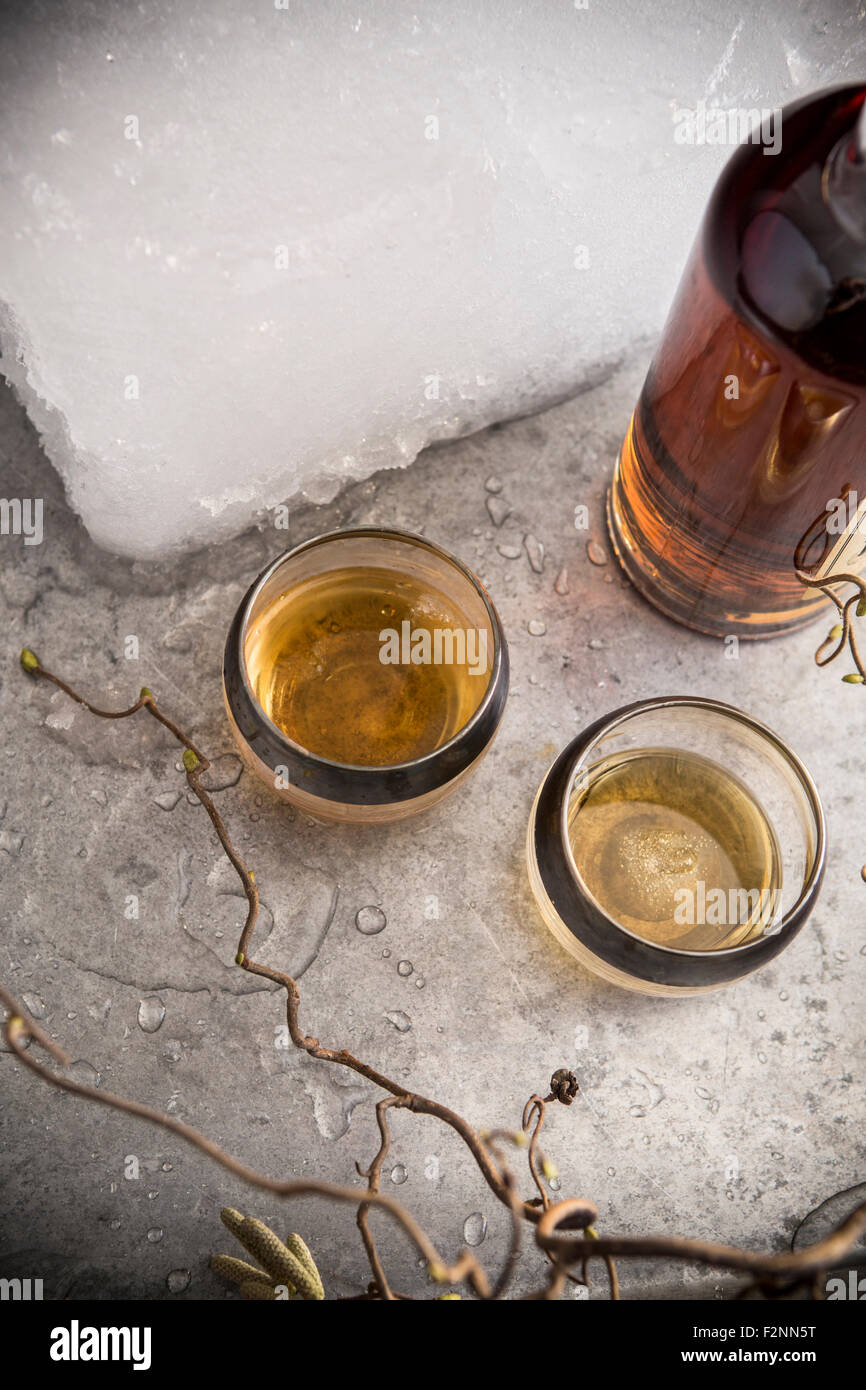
(314, 660)
(752, 420)
(675, 848)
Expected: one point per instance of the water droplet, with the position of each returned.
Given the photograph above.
(402, 1022)
(498, 509)
(536, 627)
(115, 1223)
(783, 994)
(596, 553)
(370, 920)
(84, 1073)
(34, 1005)
(151, 1013)
(420, 982)
(509, 552)
(399, 1174)
(225, 771)
(595, 644)
(178, 1280)
(166, 801)
(535, 551)
(561, 582)
(385, 954)
(11, 842)
(611, 1172)
(474, 1228)
(404, 968)
(493, 483)
(554, 1184)
(155, 1234)
(166, 1167)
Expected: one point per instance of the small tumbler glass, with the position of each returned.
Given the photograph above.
(361, 791)
(701, 733)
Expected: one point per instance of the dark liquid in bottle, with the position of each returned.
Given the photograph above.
(752, 419)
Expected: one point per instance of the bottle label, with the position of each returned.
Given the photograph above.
(848, 554)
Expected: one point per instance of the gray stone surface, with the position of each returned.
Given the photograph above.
(728, 1116)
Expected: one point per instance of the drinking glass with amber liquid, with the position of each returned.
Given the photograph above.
(742, 478)
(676, 845)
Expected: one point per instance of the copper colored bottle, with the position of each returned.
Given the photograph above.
(744, 466)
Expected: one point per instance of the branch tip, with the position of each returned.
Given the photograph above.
(563, 1086)
(189, 760)
(29, 660)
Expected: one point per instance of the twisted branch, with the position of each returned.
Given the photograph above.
(554, 1223)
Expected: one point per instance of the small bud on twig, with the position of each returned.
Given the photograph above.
(563, 1085)
(189, 760)
(853, 678)
(29, 660)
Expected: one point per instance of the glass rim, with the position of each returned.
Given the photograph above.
(405, 537)
(731, 712)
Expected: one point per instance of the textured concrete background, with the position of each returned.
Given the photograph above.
(730, 1116)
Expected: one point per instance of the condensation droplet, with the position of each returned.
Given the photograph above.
(155, 1234)
(420, 982)
(474, 1228)
(84, 1073)
(178, 1280)
(370, 920)
(536, 627)
(498, 509)
(405, 968)
(399, 1174)
(402, 1022)
(151, 1013)
(535, 552)
(35, 1005)
(596, 553)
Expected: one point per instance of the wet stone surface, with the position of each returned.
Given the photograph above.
(730, 1116)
